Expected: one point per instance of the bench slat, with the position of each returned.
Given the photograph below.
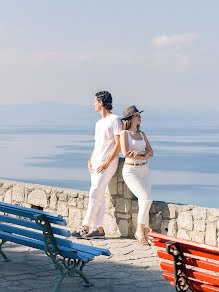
(189, 250)
(192, 244)
(211, 279)
(206, 265)
(67, 252)
(30, 209)
(92, 249)
(33, 225)
(31, 214)
(194, 284)
(33, 235)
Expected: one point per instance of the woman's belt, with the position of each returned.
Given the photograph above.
(135, 163)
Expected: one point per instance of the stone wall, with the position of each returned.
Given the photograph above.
(185, 221)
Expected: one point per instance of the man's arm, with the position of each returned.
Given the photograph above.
(89, 163)
(112, 155)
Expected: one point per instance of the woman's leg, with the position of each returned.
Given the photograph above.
(135, 180)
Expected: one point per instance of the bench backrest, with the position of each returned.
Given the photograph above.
(201, 261)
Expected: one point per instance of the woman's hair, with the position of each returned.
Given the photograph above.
(106, 98)
(127, 124)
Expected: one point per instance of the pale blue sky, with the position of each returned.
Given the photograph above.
(156, 53)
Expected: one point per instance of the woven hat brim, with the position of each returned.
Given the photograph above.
(123, 119)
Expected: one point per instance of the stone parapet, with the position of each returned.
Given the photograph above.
(185, 221)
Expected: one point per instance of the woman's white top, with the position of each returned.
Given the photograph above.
(105, 130)
(138, 145)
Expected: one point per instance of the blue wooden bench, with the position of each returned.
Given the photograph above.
(33, 228)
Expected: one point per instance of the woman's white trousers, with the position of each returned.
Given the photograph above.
(137, 179)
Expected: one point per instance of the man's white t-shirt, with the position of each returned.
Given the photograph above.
(105, 130)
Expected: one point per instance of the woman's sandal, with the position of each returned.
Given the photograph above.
(142, 240)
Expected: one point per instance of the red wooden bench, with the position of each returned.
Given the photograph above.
(188, 264)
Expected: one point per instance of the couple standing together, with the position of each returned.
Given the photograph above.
(110, 137)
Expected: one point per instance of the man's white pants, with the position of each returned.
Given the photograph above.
(96, 205)
(137, 178)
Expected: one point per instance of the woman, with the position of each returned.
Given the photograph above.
(136, 150)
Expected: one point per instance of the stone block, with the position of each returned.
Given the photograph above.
(125, 216)
(81, 196)
(123, 227)
(164, 226)
(184, 234)
(212, 218)
(72, 202)
(198, 236)
(86, 200)
(111, 226)
(123, 205)
(18, 194)
(134, 205)
(80, 203)
(199, 213)
(185, 220)
(62, 208)
(53, 201)
(62, 196)
(154, 208)
(119, 169)
(8, 196)
(127, 193)
(38, 198)
(134, 222)
(155, 221)
(214, 212)
(211, 234)
(169, 211)
(112, 186)
(199, 225)
(172, 228)
(75, 217)
(120, 188)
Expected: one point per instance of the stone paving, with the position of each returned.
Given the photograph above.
(131, 267)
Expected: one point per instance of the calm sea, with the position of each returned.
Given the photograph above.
(54, 151)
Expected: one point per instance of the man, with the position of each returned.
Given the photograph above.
(102, 165)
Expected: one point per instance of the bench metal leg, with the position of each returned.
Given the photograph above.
(6, 259)
(180, 280)
(66, 266)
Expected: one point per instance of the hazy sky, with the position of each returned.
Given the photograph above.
(158, 53)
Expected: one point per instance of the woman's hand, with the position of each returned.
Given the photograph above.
(133, 153)
(89, 167)
(103, 166)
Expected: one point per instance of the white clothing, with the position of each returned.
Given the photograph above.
(137, 178)
(138, 145)
(105, 130)
(96, 205)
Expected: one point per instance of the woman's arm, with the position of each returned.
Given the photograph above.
(125, 148)
(148, 150)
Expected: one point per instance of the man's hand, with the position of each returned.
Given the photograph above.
(90, 167)
(102, 167)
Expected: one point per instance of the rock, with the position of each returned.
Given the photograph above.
(53, 201)
(183, 234)
(169, 211)
(185, 220)
(123, 227)
(18, 194)
(199, 225)
(199, 213)
(62, 208)
(112, 186)
(172, 228)
(127, 193)
(210, 237)
(37, 198)
(123, 205)
(198, 236)
(8, 196)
